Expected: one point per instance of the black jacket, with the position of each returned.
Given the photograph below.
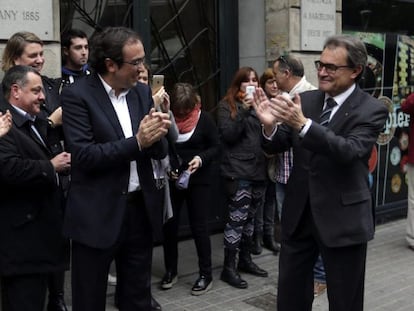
(242, 155)
(31, 239)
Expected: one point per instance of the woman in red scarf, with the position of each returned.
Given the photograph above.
(196, 146)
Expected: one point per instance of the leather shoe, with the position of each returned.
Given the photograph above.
(169, 280)
(249, 266)
(155, 306)
(56, 303)
(270, 243)
(202, 285)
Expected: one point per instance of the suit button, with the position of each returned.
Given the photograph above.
(124, 192)
(29, 216)
(44, 174)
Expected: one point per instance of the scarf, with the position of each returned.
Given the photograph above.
(188, 123)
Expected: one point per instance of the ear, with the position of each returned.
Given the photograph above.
(356, 71)
(111, 66)
(14, 91)
(65, 51)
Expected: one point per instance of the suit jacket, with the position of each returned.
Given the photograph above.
(101, 157)
(330, 168)
(31, 239)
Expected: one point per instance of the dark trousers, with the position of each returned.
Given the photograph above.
(133, 256)
(344, 267)
(197, 198)
(24, 292)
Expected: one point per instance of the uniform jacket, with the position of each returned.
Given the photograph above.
(330, 168)
(101, 158)
(31, 239)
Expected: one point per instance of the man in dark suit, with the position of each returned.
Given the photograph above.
(328, 205)
(31, 241)
(113, 203)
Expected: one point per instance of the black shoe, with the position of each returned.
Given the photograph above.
(56, 303)
(232, 277)
(252, 268)
(202, 285)
(168, 280)
(155, 306)
(270, 243)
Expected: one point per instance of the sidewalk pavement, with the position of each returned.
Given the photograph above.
(389, 278)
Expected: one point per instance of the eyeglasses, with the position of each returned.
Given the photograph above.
(136, 62)
(282, 59)
(330, 68)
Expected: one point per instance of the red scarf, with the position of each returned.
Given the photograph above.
(188, 123)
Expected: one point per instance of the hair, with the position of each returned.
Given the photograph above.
(109, 43)
(67, 36)
(267, 75)
(357, 52)
(242, 75)
(183, 96)
(15, 47)
(291, 63)
(16, 75)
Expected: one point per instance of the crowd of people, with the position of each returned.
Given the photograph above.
(96, 166)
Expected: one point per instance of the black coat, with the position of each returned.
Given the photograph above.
(242, 156)
(31, 239)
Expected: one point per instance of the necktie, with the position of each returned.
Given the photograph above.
(324, 118)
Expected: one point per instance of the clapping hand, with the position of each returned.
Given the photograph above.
(152, 128)
(5, 123)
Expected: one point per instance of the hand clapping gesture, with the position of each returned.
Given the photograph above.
(280, 109)
(5, 123)
(152, 128)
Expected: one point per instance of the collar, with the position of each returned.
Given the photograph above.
(109, 90)
(25, 114)
(302, 86)
(340, 99)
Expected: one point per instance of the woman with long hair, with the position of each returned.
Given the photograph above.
(243, 167)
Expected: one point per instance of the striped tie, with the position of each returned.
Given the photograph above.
(324, 118)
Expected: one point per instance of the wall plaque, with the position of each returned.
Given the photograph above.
(35, 16)
(318, 21)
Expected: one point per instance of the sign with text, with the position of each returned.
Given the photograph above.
(318, 21)
(35, 16)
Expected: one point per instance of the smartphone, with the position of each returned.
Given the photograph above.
(250, 89)
(157, 83)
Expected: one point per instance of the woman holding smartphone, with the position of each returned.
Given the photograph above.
(243, 167)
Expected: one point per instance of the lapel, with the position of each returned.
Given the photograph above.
(344, 111)
(105, 104)
(135, 108)
(23, 124)
(314, 105)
